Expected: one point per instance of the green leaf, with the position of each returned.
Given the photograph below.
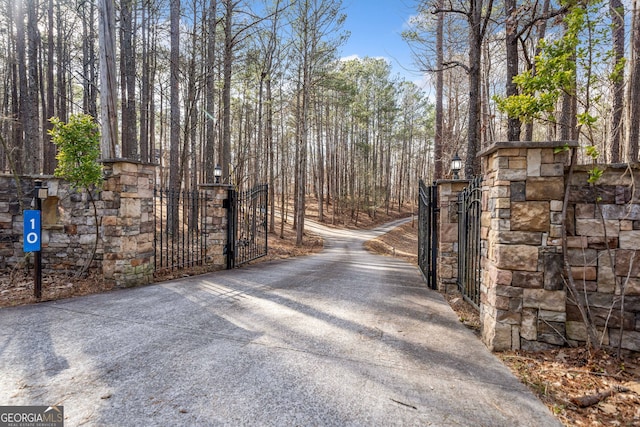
(78, 143)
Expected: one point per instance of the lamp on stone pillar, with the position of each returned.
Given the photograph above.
(217, 172)
(456, 165)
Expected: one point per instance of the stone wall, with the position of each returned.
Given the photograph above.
(126, 224)
(68, 225)
(524, 302)
(604, 229)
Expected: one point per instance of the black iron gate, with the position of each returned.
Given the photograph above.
(247, 231)
(469, 212)
(179, 240)
(428, 232)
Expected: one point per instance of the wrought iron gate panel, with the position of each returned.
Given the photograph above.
(469, 213)
(179, 240)
(428, 232)
(247, 231)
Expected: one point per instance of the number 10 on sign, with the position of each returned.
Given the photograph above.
(32, 231)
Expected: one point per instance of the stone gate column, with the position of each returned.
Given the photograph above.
(447, 263)
(126, 203)
(216, 221)
(523, 301)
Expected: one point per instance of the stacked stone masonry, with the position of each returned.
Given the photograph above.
(447, 264)
(126, 224)
(522, 293)
(524, 303)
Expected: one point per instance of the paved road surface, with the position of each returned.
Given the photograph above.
(339, 338)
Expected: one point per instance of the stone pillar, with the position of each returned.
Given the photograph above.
(216, 221)
(447, 263)
(128, 222)
(523, 301)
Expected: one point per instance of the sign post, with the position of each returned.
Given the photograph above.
(32, 238)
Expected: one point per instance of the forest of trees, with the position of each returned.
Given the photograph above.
(257, 87)
(527, 70)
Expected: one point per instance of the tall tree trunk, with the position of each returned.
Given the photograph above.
(510, 9)
(31, 111)
(49, 149)
(108, 92)
(302, 144)
(174, 107)
(320, 161)
(210, 93)
(145, 88)
(568, 118)
(541, 33)
(225, 149)
(62, 100)
(270, 145)
(438, 139)
(22, 99)
(128, 82)
(616, 9)
(477, 28)
(634, 92)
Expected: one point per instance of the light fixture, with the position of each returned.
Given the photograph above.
(456, 165)
(42, 192)
(217, 172)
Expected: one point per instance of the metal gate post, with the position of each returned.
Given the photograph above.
(230, 248)
(434, 234)
(428, 232)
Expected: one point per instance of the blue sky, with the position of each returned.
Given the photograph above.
(376, 27)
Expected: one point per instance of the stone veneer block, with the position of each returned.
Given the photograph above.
(581, 257)
(527, 279)
(517, 163)
(632, 288)
(517, 190)
(584, 273)
(516, 257)
(630, 340)
(547, 156)
(502, 203)
(544, 300)
(500, 277)
(585, 211)
(517, 237)
(606, 277)
(553, 266)
(510, 152)
(498, 191)
(594, 228)
(545, 188)
(555, 231)
(530, 216)
(552, 316)
(499, 163)
(528, 327)
(552, 169)
(496, 336)
(556, 205)
(534, 160)
(630, 239)
(576, 331)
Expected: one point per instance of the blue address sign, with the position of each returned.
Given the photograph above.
(32, 231)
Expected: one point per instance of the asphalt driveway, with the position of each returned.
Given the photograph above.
(343, 337)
